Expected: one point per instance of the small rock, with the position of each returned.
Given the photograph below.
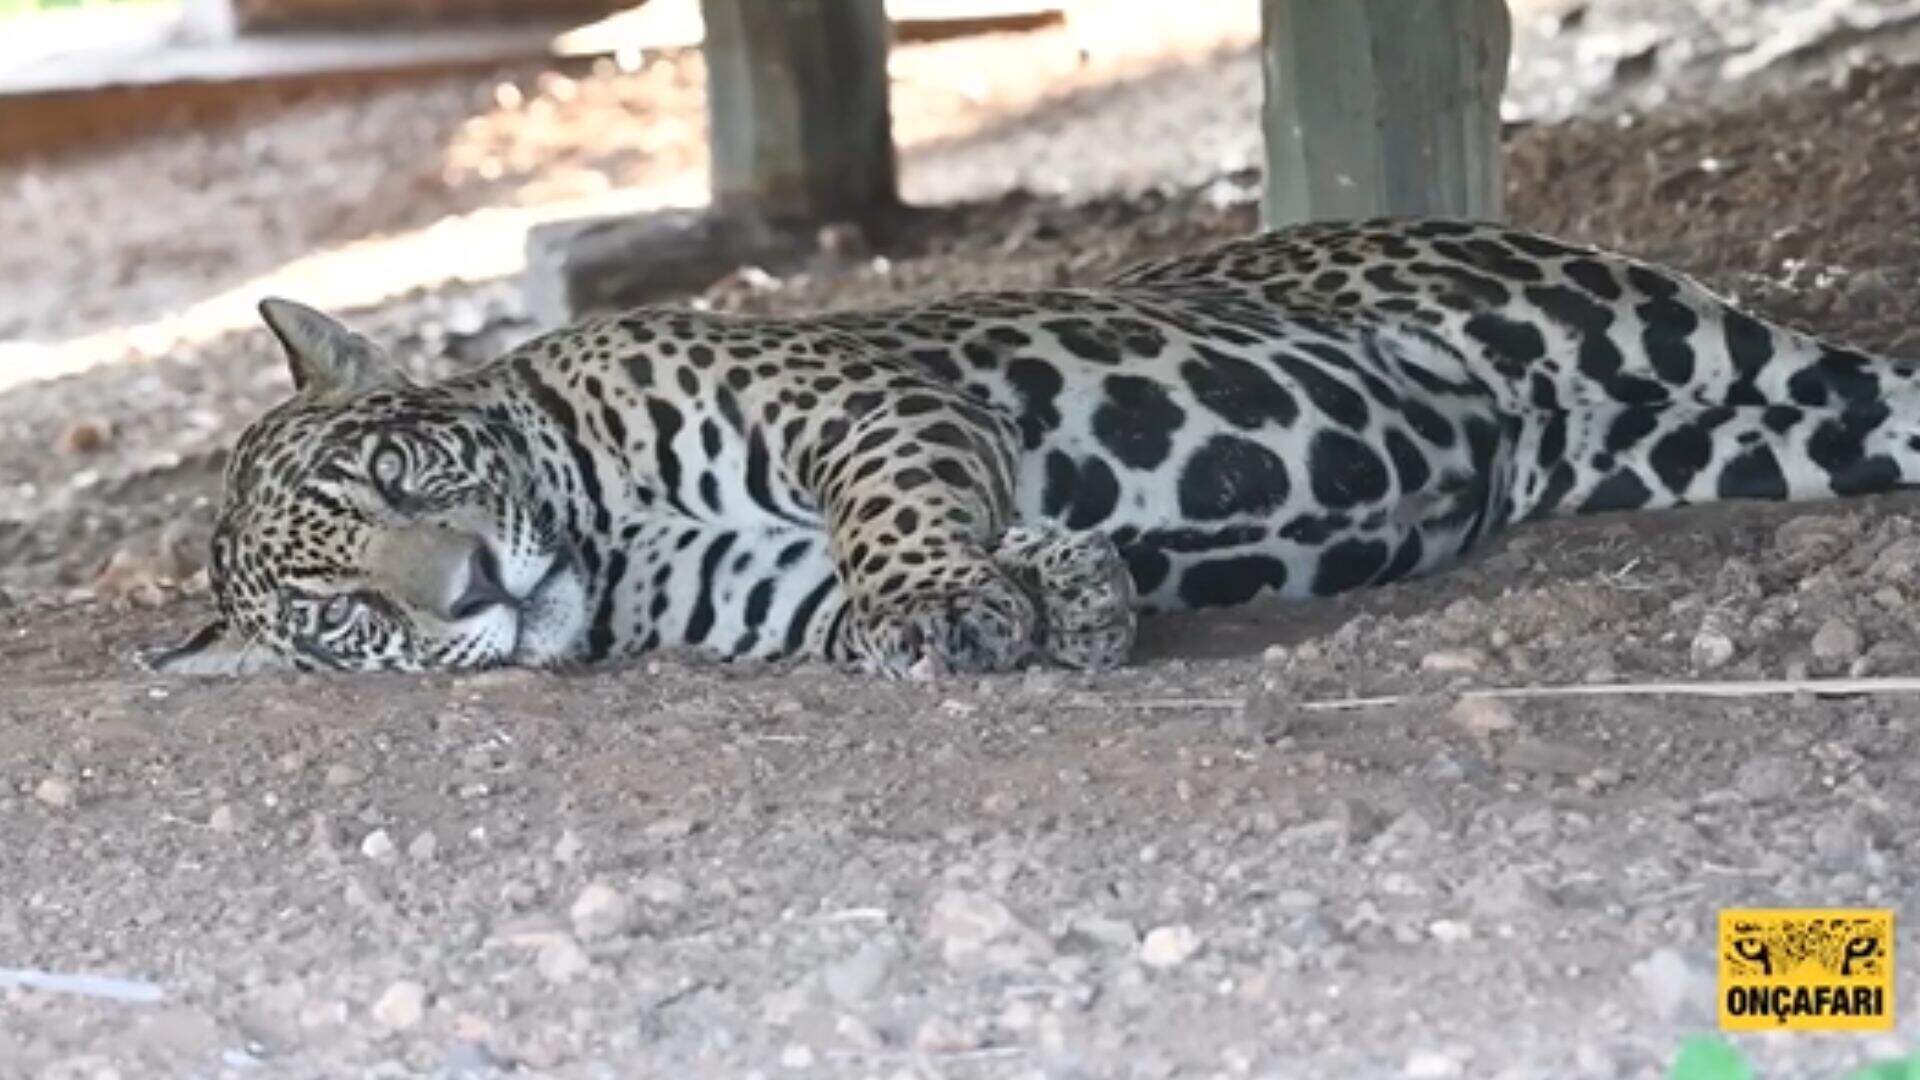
(222, 819)
(469, 1060)
(1113, 933)
(1898, 561)
(1840, 842)
(568, 847)
(339, 775)
(133, 577)
(1296, 901)
(1810, 537)
(600, 911)
(88, 436)
(859, 1034)
(423, 847)
(1598, 780)
(1483, 715)
(1169, 946)
(669, 828)
(1671, 984)
(1836, 642)
(859, 976)
(842, 240)
(965, 923)
(939, 1035)
(562, 960)
(1769, 777)
(377, 845)
(1450, 931)
(1504, 892)
(1431, 1065)
(784, 1006)
(661, 889)
(54, 791)
(401, 1006)
(1711, 650)
(797, 1056)
(1453, 661)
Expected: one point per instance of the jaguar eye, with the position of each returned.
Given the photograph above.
(389, 466)
(337, 611)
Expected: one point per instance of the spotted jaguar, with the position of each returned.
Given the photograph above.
(974, 483)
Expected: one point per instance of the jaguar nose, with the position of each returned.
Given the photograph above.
(483, 589)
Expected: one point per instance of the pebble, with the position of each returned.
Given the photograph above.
(568, 847)
(939, 1035)
(1296, 901)
(1454, 661)
(1898, 561)
(1113, 933)
(1840, 842)
(662, 889)
(669, 828)
(1836, 642)
(1483, 715)
(965, 923)
(1711, 650)
(600, 912)
(401, 1006)
(423, 847)
(1430, 1065)
(1769, 777)
(469, 1060)
(1450, 931)
(858, 977)
(55, 792)
(1502, 893)
(782, 1007)
(88, 436)
(1169, 946)
(377, 845)
(859, 1034)
(797, 1056)
(222, 819)
(342, 775)
(1671, 984)
(562, 960)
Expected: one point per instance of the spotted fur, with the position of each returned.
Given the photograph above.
(975, 481)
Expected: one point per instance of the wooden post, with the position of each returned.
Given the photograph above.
(797, 96)
(1383, 107)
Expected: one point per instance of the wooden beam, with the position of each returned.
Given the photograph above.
(797, 95)
(1383, 107)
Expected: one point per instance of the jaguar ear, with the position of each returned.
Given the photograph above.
(329, 361)
(211, 650)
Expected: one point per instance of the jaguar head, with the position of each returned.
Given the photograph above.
(372, 524)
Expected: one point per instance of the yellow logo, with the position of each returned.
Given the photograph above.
(1813, 969)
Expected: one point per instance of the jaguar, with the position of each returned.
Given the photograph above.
(999, 478)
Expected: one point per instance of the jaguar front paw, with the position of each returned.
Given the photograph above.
(987, 627)
(1085, 593)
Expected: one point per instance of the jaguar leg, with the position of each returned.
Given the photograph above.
(916, 491)
(1084, 592)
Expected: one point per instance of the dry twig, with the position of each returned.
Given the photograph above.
(1736, 689)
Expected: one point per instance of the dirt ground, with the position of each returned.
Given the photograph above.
(675, 868)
